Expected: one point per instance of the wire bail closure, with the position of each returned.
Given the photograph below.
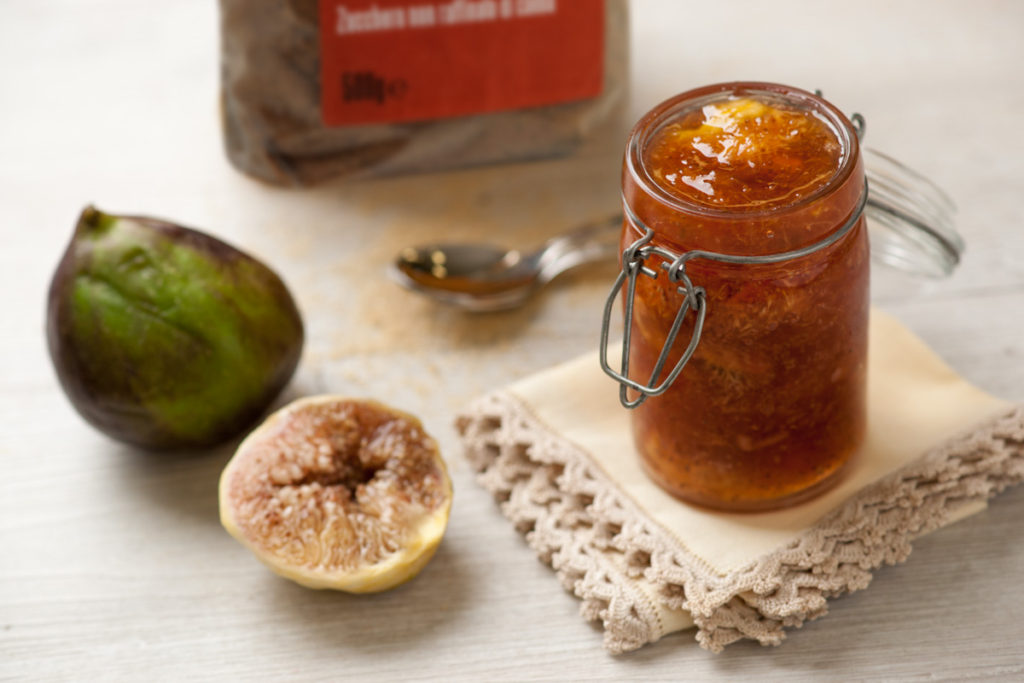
(694, 298)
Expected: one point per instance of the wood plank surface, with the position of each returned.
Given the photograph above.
(113, 565)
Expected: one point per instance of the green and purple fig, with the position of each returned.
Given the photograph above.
(165, 337)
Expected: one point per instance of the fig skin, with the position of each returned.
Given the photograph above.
(165, 337)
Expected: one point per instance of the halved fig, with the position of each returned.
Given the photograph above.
(338, 493)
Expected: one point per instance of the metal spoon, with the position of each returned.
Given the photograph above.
(482, 278)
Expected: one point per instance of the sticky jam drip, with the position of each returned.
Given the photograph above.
(744, 154)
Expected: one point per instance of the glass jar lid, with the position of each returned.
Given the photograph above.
(910, 219)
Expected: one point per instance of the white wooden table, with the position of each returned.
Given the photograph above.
(112, 562)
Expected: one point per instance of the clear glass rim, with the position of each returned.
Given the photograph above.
(666, 110)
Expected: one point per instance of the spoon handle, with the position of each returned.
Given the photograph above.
(594, 241)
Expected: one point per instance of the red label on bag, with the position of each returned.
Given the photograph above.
(403, 60)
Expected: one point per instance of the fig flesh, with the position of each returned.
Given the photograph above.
(165, 337)
(338, 493)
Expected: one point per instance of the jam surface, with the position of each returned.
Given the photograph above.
(772, 404)
(744, 154)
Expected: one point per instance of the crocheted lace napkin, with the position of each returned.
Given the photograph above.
(555, 450)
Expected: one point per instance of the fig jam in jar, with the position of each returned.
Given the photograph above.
(746, 259)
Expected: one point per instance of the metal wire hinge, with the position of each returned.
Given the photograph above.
(694, 299)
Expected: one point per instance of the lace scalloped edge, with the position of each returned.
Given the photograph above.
(628, 570)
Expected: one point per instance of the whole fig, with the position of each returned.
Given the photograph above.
(165, 337)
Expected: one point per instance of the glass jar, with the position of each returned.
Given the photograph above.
(746, 260)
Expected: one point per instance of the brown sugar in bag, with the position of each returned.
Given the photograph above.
(315, 90)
